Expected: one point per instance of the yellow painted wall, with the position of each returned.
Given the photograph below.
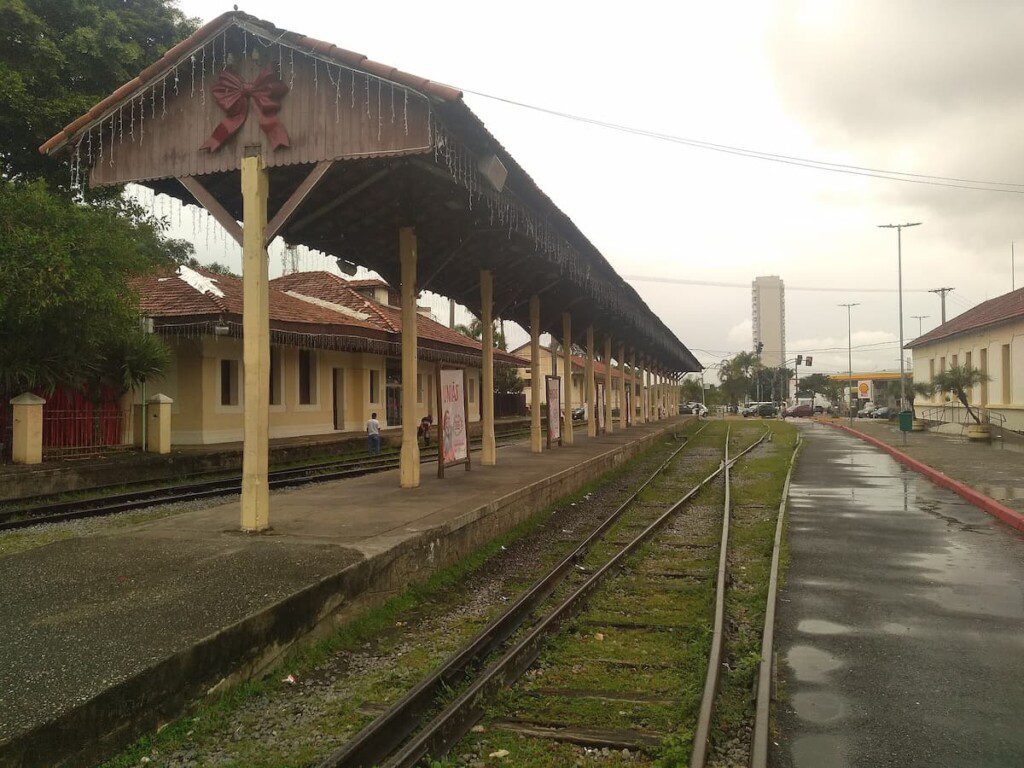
(193, 381)
(991, 339)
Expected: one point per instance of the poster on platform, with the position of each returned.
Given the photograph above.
(452, 427)
(629, 405)
(553, 385)
(599, 407)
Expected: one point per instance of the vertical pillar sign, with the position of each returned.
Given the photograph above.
(536, 439)
(599, 421)
(553, 385)
(453, 419)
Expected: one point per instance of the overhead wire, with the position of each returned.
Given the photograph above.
(824, 165)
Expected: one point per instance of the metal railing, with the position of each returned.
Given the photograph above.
(85, 431)
(951, 413)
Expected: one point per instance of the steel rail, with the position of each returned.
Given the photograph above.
(451, 724)
(386, 733)
(335, 469)
(762, 714)
(702, 733)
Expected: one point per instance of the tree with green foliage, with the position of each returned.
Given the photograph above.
(58, 59)
(814, 384)
(68, 315)
(691, 391)
(958, 379)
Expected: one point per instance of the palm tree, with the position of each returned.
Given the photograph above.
(959, 379)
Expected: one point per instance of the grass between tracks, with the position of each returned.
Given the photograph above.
(635, 659)
(228, 724)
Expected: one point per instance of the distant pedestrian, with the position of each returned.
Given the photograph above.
(426, 423)
(373, 435)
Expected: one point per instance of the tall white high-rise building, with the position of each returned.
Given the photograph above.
(768, 315)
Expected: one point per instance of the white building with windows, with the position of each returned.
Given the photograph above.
(768, 318)
(989, 337)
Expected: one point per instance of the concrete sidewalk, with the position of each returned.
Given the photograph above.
(899, 630)
(995, 469)
(123, 620)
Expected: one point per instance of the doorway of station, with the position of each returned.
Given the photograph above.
(393, 394)
(338, 398)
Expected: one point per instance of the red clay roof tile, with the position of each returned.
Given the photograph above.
(1009, 306)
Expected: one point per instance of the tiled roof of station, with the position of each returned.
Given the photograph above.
(336, 289)
(1009, 306)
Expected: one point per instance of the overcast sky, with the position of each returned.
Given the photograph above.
(925, 87)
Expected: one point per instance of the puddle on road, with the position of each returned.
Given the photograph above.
(822, 627)
(818, 751)
(810, 664)
(820, 707)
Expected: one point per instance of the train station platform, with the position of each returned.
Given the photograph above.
(108, 635)
(898, 630)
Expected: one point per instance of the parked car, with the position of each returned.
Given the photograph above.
(800, 411)
(579, 414)
(767, 410)
(698, 408)
(865, 412)
(885, 412)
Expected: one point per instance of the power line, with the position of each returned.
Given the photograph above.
(823, 165)
(721, 284)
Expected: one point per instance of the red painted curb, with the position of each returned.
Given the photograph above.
(1009, 516)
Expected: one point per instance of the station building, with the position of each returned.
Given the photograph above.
(334, 355)
(552, 364)
(989, 337)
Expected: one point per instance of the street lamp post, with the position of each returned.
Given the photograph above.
(849, 355)
(899, 267)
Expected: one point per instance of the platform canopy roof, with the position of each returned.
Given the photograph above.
(355, 150)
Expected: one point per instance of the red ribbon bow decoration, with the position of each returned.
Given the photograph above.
(233, 95)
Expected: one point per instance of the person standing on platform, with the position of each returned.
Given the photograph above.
(373, 435)
(426, 424)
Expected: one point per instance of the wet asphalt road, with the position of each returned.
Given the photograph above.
(901, 627)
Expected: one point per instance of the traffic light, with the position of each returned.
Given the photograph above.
(799, 359)
(810, 361)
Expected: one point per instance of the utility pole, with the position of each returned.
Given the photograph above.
(919, 318)
(849, 354)
(451, 313)
(899, 269)
(1013, 276)
(942, 295)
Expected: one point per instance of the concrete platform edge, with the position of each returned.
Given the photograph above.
(1009, 516)
(97, 728)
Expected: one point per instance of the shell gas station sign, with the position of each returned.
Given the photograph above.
(864, 390)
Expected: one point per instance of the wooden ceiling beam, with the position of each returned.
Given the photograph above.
(296, 198)
(211, 204)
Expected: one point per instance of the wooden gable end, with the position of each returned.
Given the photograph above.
(330, 112)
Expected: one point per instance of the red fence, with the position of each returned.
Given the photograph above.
(72, 424)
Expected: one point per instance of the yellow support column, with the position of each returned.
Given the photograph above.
(648, 405)
(567, 377)
(632, 387)
(488, 449)
(622, 386)
(255, 346)
(591, 389)
(536, 438)
(608, 385)
(409, 462)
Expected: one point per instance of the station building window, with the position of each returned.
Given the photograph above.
(307, 377)
(276, 378)
(1007, 374)
(230, 386)
(374, 386)
(420, 386)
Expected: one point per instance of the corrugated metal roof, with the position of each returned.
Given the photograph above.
(1009, 306)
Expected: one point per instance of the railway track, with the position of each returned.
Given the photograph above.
(317, 472)
(439, 712)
